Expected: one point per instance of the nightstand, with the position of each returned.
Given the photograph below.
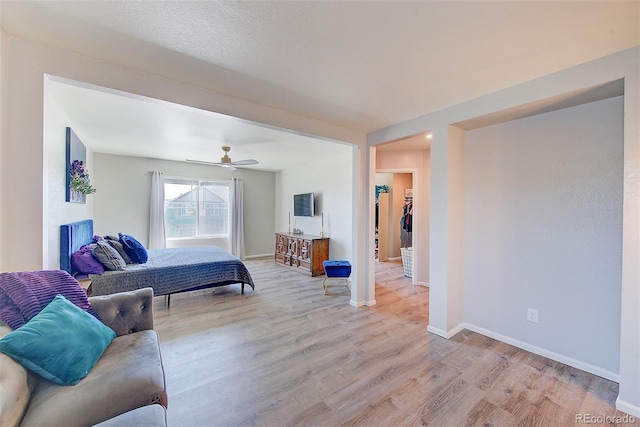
(86, 285)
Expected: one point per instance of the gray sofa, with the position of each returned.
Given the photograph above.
(126, 386)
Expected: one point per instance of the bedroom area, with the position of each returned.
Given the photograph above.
(121, 172)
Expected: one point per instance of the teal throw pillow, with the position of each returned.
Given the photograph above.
(62, 343)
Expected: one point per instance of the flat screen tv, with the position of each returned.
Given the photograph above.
(303, 204)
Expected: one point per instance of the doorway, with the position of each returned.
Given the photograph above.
(401, 166)
(393, 214)
(393, 254)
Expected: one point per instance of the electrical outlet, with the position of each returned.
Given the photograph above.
(532, 315)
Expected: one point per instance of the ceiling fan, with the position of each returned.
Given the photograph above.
(226, 161)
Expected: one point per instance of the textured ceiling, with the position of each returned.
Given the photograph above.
(163, 130)
(361, 65)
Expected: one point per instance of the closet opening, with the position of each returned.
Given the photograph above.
(394, 218)
(400, 229)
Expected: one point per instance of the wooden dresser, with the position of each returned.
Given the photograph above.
(302, 252)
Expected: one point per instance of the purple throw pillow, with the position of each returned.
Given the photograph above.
(24, 294)
(84, 261)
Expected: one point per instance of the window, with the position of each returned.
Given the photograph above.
(194, 208)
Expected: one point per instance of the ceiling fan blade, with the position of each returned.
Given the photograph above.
(245, 162)
(202, 162)
(222, 165)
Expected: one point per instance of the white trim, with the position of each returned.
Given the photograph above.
(356, 303)
(455, 330)
(437, 331)
(443, 333)
(370, 303)
(422, 284)
(622, 405)
(546, 353)
(627, 407)
(260, 255)
(395, 258)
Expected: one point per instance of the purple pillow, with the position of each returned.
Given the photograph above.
(23, 294)
(84, 261)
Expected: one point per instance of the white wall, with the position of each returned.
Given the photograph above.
(330, 179)
(384, 179)
(124, 186)
(543, 229)
(56, 211)
(446, 300)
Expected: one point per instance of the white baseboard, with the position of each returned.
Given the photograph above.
(627, 407)
(422, 284)
(361, 303)
(394, 258)
(457, 329)
(437, 331)
(259, 256)
(444, 333)
(546, 353)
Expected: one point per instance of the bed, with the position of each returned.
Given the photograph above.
(167, 271)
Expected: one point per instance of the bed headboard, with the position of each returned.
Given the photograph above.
(72, 237)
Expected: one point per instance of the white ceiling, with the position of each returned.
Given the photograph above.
(361, 65)
(109, 121)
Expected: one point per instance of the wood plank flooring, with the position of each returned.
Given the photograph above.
(285, 355)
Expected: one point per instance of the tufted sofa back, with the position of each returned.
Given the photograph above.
(125, 314)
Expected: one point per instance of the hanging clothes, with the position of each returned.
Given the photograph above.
(406, 224)
(407, 216)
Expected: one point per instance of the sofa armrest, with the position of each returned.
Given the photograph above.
(126, 312)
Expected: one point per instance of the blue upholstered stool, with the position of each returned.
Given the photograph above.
(336, 269)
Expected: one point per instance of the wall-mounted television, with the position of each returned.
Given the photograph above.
(303, 204)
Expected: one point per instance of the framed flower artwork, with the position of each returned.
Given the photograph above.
(78, 183)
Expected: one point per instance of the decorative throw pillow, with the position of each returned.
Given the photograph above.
(84, 262)
(62, 343)
(137, 252)
(108, 256)
(115, 244)
(25, 293)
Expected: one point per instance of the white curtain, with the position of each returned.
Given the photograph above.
(236, 218)
(156, 212)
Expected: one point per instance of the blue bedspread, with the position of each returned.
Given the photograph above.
(175, 270)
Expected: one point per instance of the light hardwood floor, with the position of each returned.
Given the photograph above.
(285, 355)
